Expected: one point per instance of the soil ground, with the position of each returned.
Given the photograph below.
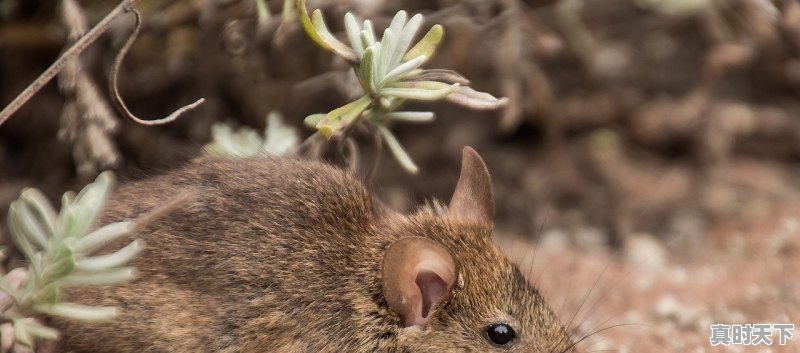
(645, 298)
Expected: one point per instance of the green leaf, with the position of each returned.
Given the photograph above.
(375, 75)
(427, 45)
(384, 54)
(342, 116)
(287, 11)
(446, 76)
(102, 236)
(34, 329)
(391, 43)
(470, 98)
(415, 117)
(424, 90)
(402, 70)
(59, 264)
(397, 150)
(30, 226)
(116, 259)
(354, 33)
(334, 44)
(366, 69)
(227, 142)
(107, 278)
(21, 333)
(41, 206)
(77, 311)
(316, 28)
(88, 203)
(405, 38)
(18, 233)
(313, 119)
(279, 138)
(308, 26)
(368, 34)
(48, 295)
(263, 12)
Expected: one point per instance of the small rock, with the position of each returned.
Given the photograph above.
(642, 250)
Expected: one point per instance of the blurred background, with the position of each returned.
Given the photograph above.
(645, 169)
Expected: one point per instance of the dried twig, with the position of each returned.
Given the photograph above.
(112, 82)
(162, 210)
(77, 48)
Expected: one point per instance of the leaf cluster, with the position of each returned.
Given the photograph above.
(59, 247)
(389, 70)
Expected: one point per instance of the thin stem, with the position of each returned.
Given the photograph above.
(378, 141)
(65, 58)
(75, 50)
(114, 87)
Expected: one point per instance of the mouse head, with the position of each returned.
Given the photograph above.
(453, 290)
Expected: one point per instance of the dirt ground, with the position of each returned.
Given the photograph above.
(647, 160)
(645, 298)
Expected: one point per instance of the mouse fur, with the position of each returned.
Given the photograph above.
(286, 256)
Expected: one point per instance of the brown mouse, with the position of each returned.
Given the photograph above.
(287, 256)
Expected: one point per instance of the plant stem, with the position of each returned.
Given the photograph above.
(62, 61)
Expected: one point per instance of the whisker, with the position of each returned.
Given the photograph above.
(585, 297)
(537, 244)
(603, 295)
(594, 333)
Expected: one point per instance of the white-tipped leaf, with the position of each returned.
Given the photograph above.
(41, 206)
(446, 76)
(397, 150)
(30, 225)
(427, 45)
(342, 116)
(87, 205)
(18, 234)
(28, 329)
(279, 138)
(313, 120)
(326, 36)
(398, 21)
(470, 98)
(365, 71)
(421, 92)
(116, 259)
(102, 236)
(368, 34)
(80, 312)
(385, 53)
(21, 335)
(107, 278)
(405, 37)
(415, 117)
(354, 33)
(402, 70)
(377, 48)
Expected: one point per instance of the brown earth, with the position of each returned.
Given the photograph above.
(645, 298)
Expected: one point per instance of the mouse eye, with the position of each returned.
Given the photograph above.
(500, 334)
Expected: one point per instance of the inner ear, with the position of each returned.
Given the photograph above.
(417, 274)
(473, 199)
(432, 289)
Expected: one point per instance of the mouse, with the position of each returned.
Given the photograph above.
(283, 255)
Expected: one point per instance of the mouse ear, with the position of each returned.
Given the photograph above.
(417, 274)
(473, 198)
